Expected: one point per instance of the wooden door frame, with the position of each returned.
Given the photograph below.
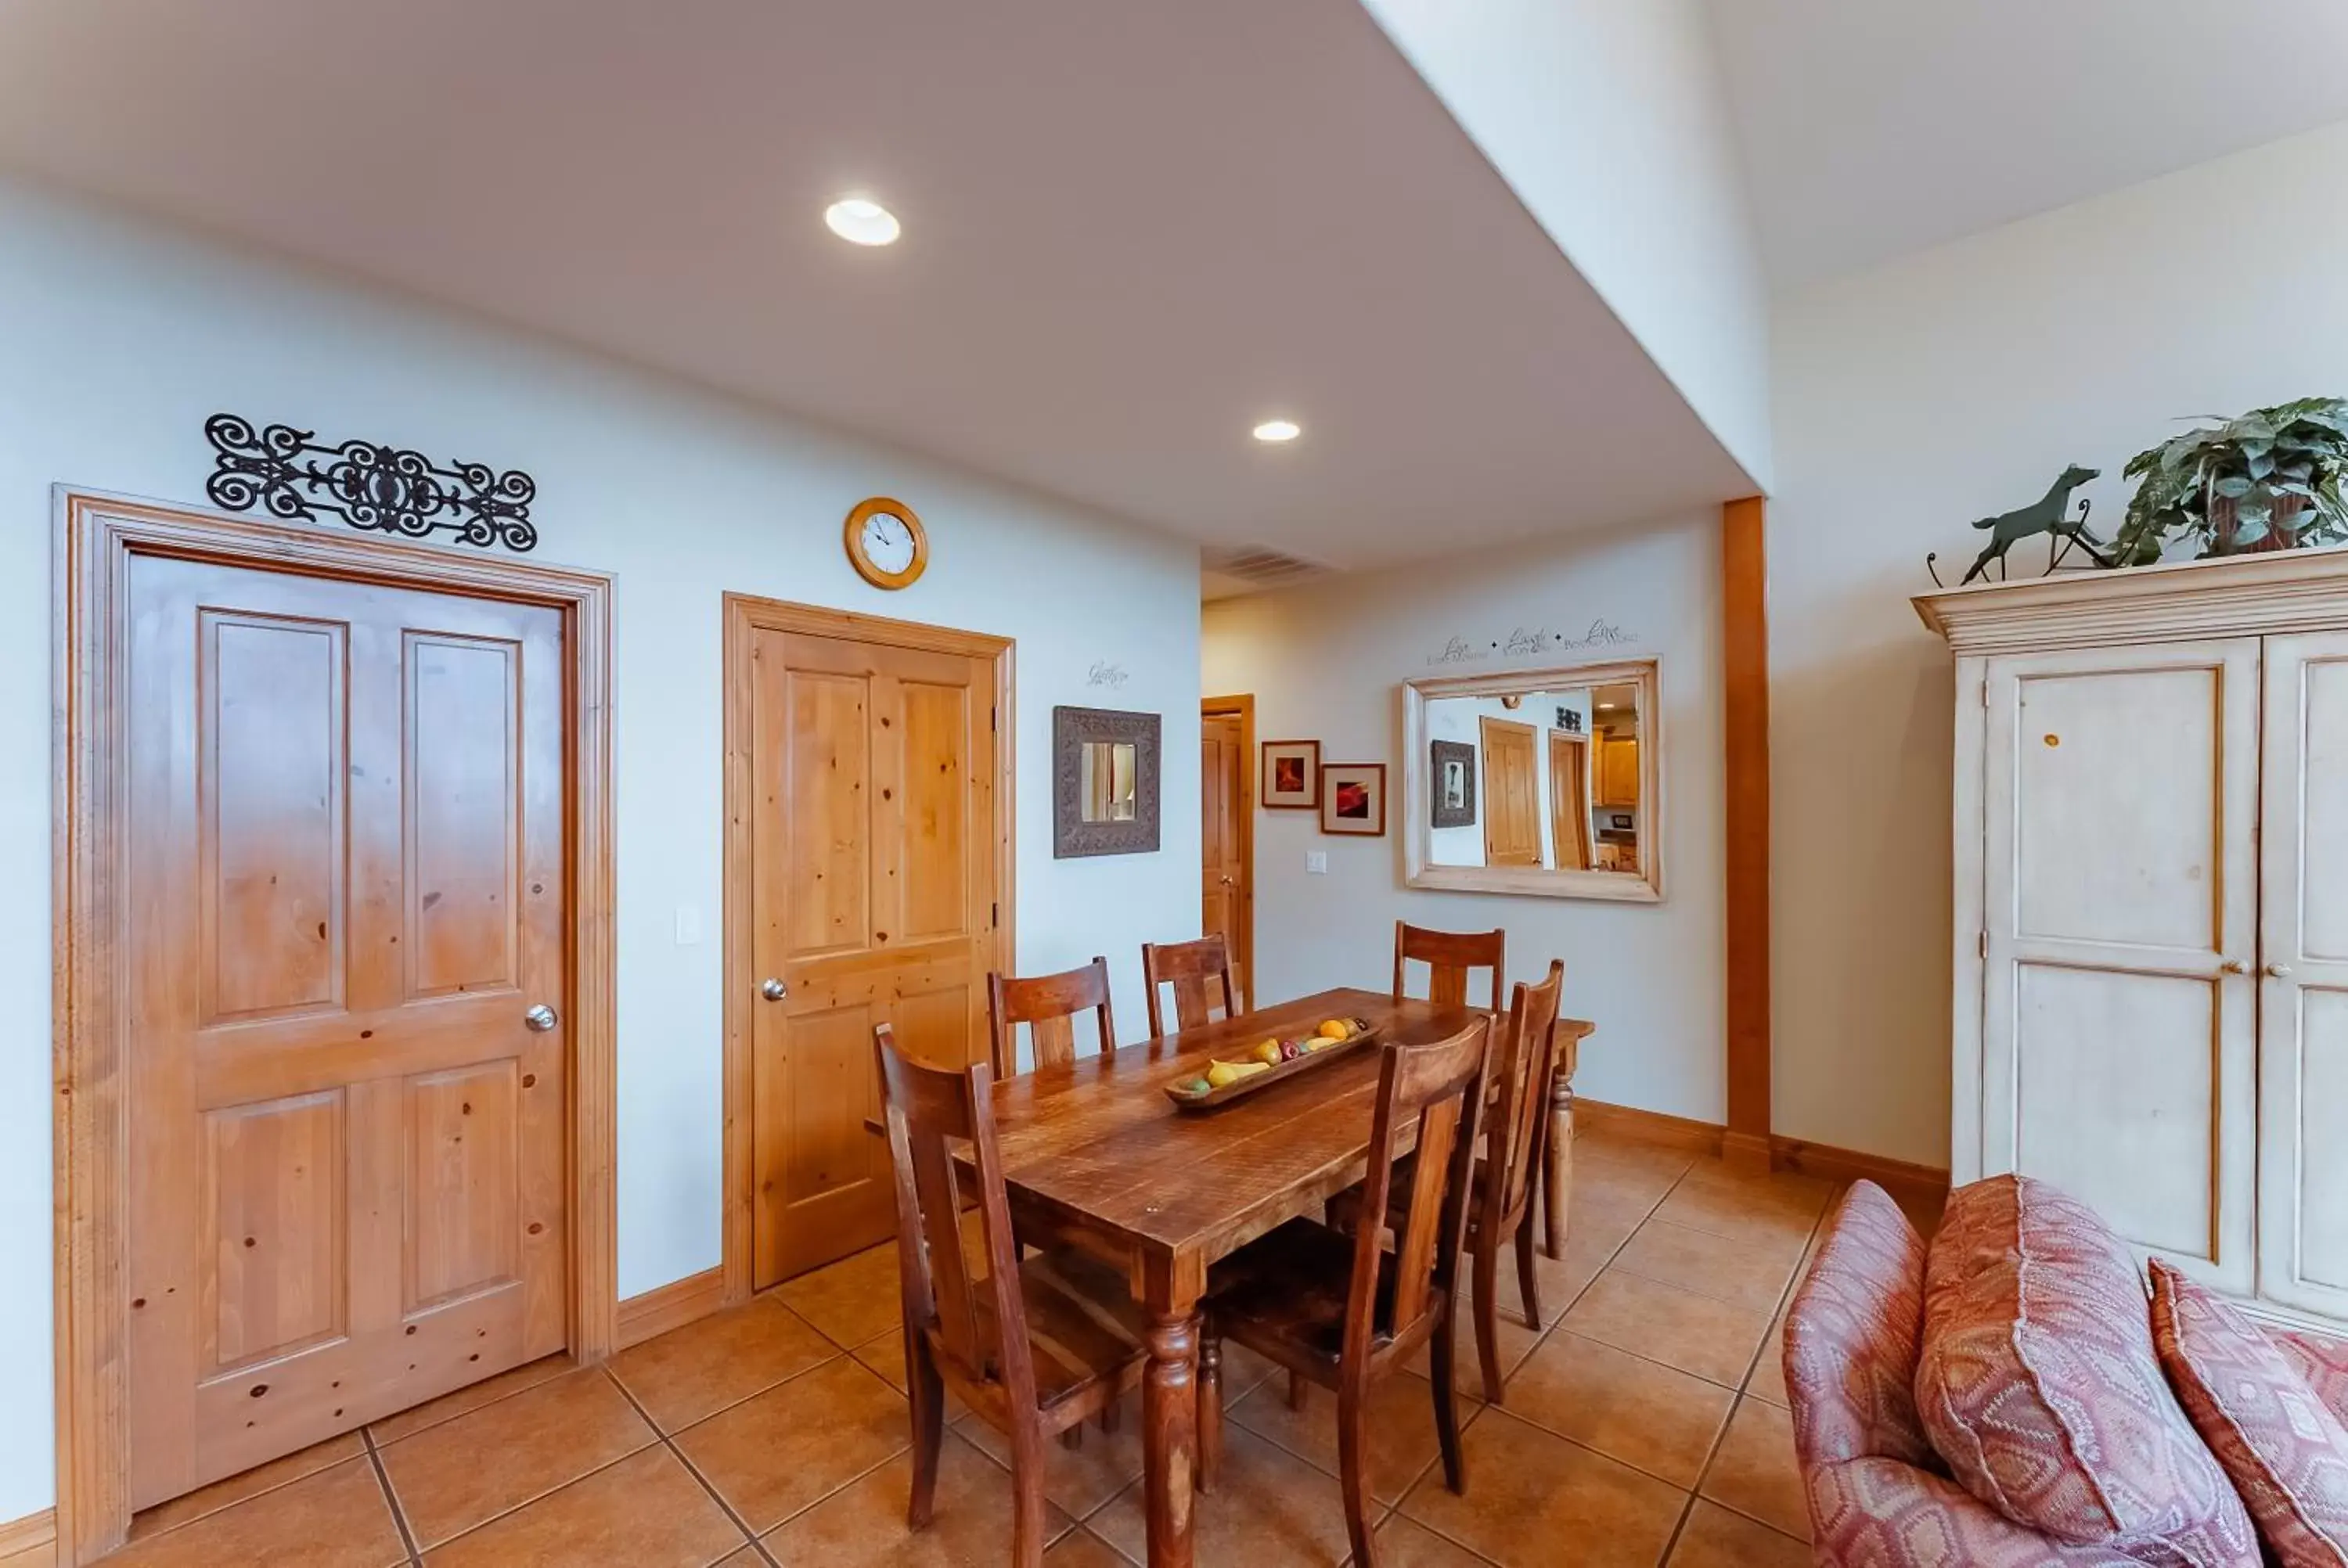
(1242, 706)
(744, 615)
(96, 535)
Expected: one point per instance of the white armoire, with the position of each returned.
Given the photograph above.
(2151, 1001)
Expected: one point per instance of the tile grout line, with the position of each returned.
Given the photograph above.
(749, 1534)
(1752, 1363)
(398, 1514)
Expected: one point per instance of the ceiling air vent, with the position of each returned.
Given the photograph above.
(1259, 566)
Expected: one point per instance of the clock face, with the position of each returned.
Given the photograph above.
(888, 542)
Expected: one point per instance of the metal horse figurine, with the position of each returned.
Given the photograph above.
(2044, 516)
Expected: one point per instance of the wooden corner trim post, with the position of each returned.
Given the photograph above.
(1745, 685)
(96, 538)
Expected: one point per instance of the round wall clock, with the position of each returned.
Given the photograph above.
(886, 543)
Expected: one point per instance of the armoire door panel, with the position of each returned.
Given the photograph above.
(2116, 780)
(2122, 1114)
(347, 865)
(2303, 984)
(273, 791)
(2119, 914)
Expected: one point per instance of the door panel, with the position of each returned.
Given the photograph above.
(1223, 871)
(2303, 991)
(2120, 908)
(1512, 835)
(873, 900)
(346, 857)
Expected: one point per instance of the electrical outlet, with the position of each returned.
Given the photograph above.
(688, 925)
(1316, 863)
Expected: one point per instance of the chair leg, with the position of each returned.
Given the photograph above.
(1296, 1386)
(1488, 1322)
(1527, 1277)
(1109, 1418)
(1027, 1506)
(1352, 1468)
(1211, 1411)
(1073, 1438)
(927, 1395)
(1441, 1356)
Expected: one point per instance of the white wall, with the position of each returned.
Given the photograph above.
(1327, 662)
(1608, 120)
(1911, 400)
(117, 339)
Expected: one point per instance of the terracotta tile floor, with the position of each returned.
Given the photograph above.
(1645, 1423)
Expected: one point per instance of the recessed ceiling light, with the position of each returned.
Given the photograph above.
(1607, 705)
(861, 223)
(1277, 430)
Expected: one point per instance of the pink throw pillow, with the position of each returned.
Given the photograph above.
(2039, 1387)
(2285, 1453)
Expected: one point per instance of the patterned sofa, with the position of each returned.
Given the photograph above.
(2009, 1395)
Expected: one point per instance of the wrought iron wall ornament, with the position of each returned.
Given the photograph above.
(378, 489)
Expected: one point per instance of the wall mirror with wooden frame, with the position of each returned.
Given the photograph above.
(1541, 782)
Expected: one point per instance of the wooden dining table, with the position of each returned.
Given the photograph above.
(1099, 1150)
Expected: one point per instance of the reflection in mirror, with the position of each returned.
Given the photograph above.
(1105, 789)
(1547, 777)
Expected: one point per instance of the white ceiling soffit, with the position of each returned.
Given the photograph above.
(1876, 127)
(1130, 233)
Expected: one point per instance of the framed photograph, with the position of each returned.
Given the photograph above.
(1292, 775)
(1451, 783)
(1354, 798)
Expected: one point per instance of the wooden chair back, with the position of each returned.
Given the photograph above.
(977, 1326)
(1440, 1086)
(1047, 1005)
(1449, 956)
(1524, 1063)
(1193, 970)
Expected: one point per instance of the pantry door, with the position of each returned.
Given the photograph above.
(345, 972)
(872, 842)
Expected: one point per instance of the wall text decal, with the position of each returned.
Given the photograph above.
(378, 489)
(1523, 643)
(1104, 674)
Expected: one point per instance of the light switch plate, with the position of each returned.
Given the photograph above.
(1316, 863)
(688, 925)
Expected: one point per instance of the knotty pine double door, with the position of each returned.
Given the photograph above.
(347, 866)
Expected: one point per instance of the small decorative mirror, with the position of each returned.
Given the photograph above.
(1543, 782)
(1104, 782)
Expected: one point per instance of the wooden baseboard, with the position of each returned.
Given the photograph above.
(1901, 1178)
(671, 1306)
(34, 1529)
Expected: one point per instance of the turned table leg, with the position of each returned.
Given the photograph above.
(1169, 1432)
(1557, 1156)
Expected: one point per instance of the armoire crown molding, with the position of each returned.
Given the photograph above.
(2239, 596)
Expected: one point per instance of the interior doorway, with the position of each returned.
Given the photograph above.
(334, 1127)
(867, 879)
(1227, 836)
(1512, 827)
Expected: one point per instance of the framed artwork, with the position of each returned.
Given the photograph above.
(1451, 783)
(1354, 798)
(1292, 775)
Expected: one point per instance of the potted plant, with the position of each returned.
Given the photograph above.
(2270, 480)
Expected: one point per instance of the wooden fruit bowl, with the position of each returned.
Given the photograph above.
(1271, 1075)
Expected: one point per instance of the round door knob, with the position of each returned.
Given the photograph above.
(2278, 971)
(540, 1019)
(2235, 966)
(773, 989)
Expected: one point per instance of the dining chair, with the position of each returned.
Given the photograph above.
(1037, 1346)
(1524, 1055)
(1346, 1312)
(1047, 1005)
(1192, 969)
(1449, 956)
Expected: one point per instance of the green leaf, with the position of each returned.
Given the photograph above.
(2233, 488)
